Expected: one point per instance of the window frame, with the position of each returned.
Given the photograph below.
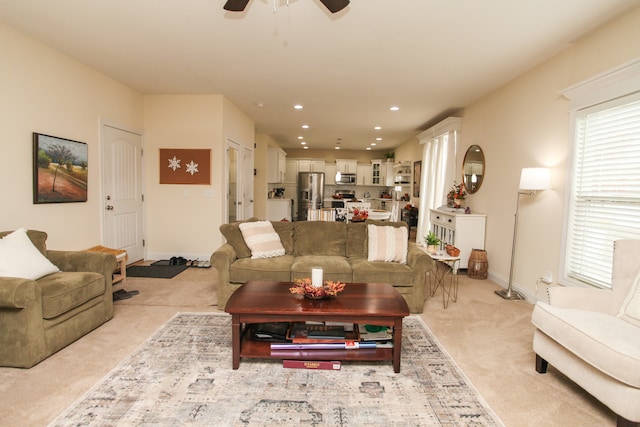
(595, 94)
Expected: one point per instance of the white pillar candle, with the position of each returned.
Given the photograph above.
(316, 277)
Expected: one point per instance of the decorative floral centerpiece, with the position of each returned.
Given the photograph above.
(359, 215)
(304, 287)
(457, 194)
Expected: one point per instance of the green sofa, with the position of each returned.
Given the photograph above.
(40, 317)
(339, 248)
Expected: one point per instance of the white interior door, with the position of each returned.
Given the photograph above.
(247, 183)
(234, 196)
(122, 191)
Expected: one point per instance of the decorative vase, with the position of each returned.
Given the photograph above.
(457, 203)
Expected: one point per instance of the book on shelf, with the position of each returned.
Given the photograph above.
(276, 331)
(347, 345)
(368, 333)
(334, 365)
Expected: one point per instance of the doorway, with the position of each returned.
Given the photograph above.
(122, 191)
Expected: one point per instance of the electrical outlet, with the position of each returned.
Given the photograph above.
(547, 278)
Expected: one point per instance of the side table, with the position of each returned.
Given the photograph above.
(121, 259)
(445, 265)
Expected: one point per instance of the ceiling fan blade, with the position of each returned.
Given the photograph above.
(235, 5)
(335, 5)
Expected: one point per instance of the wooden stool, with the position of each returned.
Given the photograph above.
(121, 258)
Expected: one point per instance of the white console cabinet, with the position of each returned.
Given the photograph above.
(465, 232)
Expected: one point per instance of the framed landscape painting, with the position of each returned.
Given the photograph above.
(60, 168)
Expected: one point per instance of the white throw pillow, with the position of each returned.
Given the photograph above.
(20, 258)
(262, 239)
(387, 243)
(630, 310)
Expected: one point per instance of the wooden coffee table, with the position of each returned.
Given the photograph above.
(362, 303)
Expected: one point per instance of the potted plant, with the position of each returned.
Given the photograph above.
(433, 243)
(389, 156)
(457, 194)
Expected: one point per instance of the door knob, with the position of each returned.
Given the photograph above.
(109, 207)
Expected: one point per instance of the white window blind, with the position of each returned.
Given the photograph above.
(605, 194)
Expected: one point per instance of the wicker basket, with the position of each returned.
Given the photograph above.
(478, 264)
(452, 250)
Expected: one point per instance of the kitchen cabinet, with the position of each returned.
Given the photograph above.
(311, 166)
(279, 209)
(363, 174)
(347, 166)
(291, 172)
(386, 173)
(376, 172)
(276, 165)
(330, 174)
(464, 231)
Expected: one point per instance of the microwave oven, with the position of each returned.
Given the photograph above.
(346, 179)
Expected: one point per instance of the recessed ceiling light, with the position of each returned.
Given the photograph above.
(373, 144)
(301, 137)
(368, 148)
(377, 128)
(306, 148)
(305, 126)
(394, 108)
(337, 148)
(303, 143)
(378, 139)
(298, 107)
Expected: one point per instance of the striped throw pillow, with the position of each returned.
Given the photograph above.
(262, 239)
(387, 243)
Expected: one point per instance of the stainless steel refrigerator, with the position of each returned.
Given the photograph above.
(310, 192)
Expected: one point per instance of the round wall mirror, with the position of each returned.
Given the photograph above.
(473, 169)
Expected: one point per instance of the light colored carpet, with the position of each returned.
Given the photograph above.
(488, 337)
(182, 375)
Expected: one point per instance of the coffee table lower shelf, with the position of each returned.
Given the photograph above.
(262, 350)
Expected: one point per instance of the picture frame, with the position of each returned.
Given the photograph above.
(185, 166)
(417, 176)
(60, 170)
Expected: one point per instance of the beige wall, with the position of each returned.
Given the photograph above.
(184, 219)
(44, 91)
(526, 124)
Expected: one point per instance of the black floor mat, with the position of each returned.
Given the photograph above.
(157, 271)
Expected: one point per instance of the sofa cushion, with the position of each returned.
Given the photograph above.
(285, 231)
(319, 238)
(606, 342)
(385, 272)
(262, 239)
(64, 291)
(356, 239)
(19, 257)
(233, 236)
(630, 309)
(387, 243)
(336, 268)
(245, 269)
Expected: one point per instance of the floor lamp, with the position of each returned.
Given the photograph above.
(531, 180)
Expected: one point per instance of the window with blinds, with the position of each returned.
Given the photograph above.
(604, 203)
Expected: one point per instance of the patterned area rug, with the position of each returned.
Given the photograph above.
(182, 376)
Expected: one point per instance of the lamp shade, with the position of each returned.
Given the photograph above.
(535, 179)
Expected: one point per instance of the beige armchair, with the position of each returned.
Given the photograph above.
(593, 335)
(40, 317)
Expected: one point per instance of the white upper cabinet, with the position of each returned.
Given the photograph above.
(347, 166)
(311, 166)
(276, 165)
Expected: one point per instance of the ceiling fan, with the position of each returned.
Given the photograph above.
(239, 5)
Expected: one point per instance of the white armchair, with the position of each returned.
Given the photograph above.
(593, 335)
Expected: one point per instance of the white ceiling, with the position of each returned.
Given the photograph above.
(429, 57)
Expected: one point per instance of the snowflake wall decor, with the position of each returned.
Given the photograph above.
(174, 163)
(192, 168)
(185, 166)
